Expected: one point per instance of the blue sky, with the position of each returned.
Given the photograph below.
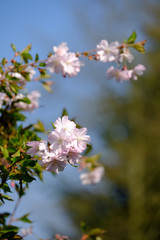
(82, 24)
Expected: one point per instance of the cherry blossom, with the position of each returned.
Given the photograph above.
(22, 80)
(33, 97)
(61, 49)
(64, 124)
(63, 62)
(71, 65)
(80, 139)
(54, 65)
(137, 70)
(108, 52)
(34, 148)
(63, 146)
(118, 75)
(59, 141)
(92, 177)
(126, 55)
(2, 98)
(55, 166)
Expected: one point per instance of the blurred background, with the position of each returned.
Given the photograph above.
(122, 119)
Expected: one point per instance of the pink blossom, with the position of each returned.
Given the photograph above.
(64, 124)
(92, 177)
(22, 80)
(108, 52)
(53, 64)
(31, 71)
(61, 49)
(34, 148)
(55, 166)
(2, 98)
(80, 139)
(119, 75)
(63, 62)
(71, 64)
(59, 141)
(73, 157)
(33, 97)
(26, 232)
(12, 184)
(126, 55)
(137, 70)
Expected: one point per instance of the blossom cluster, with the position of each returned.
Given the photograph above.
(22, 81)
(64, 145)
(114, 52)
(18, 100)
(64, 62)
(68, 64)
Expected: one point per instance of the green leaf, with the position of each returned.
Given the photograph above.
(96, 232)
(39, 126)
(6, 188)
(26, 56)
(36, 58)
(29, 163)
(132, 38)
(27, 49)
(14, 176)
(7, 197)
(18, 116)
(38, 171)
(3, 217)
(3, 61)
(139, 46)
(93, 159)
(83, 227)
(42, 64)
(88, 149)
(47, 87)
(64, 113)
(13, 47)
(16, 154)
(4, 151)
(53, 125)
(25, 100)
(9, 232)
(27, 177)
(25, 219)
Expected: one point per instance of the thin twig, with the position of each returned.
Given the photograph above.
(14, 211)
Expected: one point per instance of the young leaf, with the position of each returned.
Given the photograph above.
(132, 38)
(26, 56)
(7, 197)
(47, 87)
(96, 232)
(13, 47)
(88, 149)
(39, 126)
(6, 188)
(139, 46)
(53, 125)
(4, 151)
(3, 61)
(42, 64)
(16, 154)
(27, 49)
(25, 218)
(64, 113)
(36, 58)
